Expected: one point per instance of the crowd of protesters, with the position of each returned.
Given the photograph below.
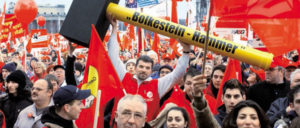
(162, 90)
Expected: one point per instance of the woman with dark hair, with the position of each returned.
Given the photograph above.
(216, 78)
(246, 114)
(177, 117)
(53, 55)
(18, 97)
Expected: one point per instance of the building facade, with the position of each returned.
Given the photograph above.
(54, 16)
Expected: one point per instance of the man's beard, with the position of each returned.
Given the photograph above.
(140, 76)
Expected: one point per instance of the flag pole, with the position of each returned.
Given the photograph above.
(97, 109)
(207, 36)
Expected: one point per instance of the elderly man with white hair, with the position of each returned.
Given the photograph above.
(131, 112)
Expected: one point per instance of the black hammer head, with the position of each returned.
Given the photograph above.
(83, 13)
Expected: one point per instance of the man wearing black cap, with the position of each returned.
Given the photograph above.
(67, 107)
(7, 69)
(164, 70)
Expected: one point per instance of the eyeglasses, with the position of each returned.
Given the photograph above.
(272, 69)
(127, 115)
(164, 72)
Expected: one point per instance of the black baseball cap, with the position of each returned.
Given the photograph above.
(68, 93)
(58, 66)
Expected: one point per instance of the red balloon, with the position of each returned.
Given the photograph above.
(41, 21)
(25, 11)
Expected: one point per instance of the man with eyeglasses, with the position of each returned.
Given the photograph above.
(131, 112)
(164, 70)
(41, 94)
(265, 92)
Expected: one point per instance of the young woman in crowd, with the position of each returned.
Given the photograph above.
(177, 118)
(18, 97)
(246, 114)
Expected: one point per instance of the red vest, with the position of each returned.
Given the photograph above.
(147, 89)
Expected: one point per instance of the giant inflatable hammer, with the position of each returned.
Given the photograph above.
(83, 13)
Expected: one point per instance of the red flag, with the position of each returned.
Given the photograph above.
(278, 35)
(126, 42)
(155, 43)
(274, 21)
(119, 41)
(174, 11)
(23, 61)
(139, 41)
(173, 45)
(233, 71)
(2, 16)
(224, 22)
(58, 58)
(131, 32)
(173, 42)
(106, 38)
(243, 9)
(178, 97)
(101, 75)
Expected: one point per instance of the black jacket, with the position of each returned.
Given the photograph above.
(69, 73)
(222, 114)
(12, 106)
(51, 117)
(265, 93)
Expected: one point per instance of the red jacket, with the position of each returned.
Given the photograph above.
(148, 90)
(211, 100)
(35, 77)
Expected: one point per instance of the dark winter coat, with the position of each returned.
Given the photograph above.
(265, 93)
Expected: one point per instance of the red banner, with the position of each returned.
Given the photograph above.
(11, 28)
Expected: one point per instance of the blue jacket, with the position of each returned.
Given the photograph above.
(277, 109)
(222, 114)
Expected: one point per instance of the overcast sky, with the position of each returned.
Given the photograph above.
(182, 9)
